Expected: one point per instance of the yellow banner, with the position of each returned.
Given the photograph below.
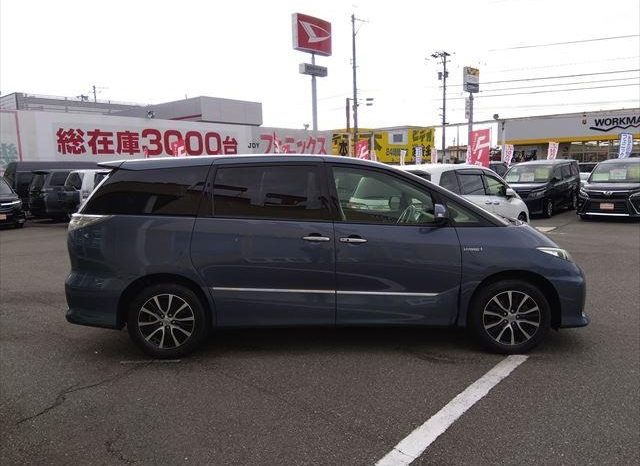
(389, 144)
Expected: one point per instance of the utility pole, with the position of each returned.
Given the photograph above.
(95, 93)
(443, 76)
(348, 113)
(355, 85)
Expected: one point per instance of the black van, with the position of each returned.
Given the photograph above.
(546, 185)
(20, 174)
(47, 195)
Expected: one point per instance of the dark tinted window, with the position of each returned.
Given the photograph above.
(273, 192)
(58, 178)
(37, 182)
(471, 184)
(165, 191)
(574, 169)
(495, 187)
(24, 179)
(4, 187)
(74, 181)
(448, 180)
(566, 171)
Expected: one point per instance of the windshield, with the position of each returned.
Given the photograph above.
(618, 172)
(529, 174)
(4, 187)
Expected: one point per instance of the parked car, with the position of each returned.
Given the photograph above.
(78, 185)
(476, 184)
(546, 185)
(11, 212)
(612, 190)
(46, 194)
(585, 170)
(499, 167)
(20, 174)
(173, 247)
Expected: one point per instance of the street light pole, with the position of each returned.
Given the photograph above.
(355, 86)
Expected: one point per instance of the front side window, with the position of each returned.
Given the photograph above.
(164, 191)
(58, 178)
(370, 196)
(37, 182)
(4, 187)
(277, 192)
(448, 180)
(74, 181)
(471, 184)
(566, 172)
(495, 187)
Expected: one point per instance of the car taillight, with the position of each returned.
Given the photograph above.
(83, 220)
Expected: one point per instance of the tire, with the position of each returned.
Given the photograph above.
(522, 217)
(509, 327)
(548, 208)
(151, 327)
(573, 205)
(20, 225)
(584, 217)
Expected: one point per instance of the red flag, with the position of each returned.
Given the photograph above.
(362, 149)
(480, 145)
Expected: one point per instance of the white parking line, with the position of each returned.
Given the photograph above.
(413, 445)
(545, 229)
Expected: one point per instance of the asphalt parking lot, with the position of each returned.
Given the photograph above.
(78, 395)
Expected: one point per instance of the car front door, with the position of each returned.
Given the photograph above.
(497, 192)
(266, 248)
(472, 188)
(394, 264)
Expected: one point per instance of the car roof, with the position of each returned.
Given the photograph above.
(547, 162)
(438, 168)
(175, 162)
(632, 160)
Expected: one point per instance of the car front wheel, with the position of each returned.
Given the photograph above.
(167, 321)
(510, 317)
(574, 202)
(548, 208)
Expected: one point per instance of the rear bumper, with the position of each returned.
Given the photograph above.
(93, 301)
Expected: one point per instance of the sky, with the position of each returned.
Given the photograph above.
(156, 51)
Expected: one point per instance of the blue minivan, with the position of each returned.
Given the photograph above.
(175, 247)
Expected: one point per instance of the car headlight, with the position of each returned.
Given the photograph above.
(583, 192)
(536, 194)
(17, 203)
(635, 196)
(558, 252)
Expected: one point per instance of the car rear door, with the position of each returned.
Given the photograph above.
(266, 248)
(394, 265)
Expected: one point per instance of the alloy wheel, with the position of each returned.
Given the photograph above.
(166, 321)
(511, 318)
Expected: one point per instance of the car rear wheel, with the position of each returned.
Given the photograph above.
(548, 208)
(522, 217)
(167, 320)
(510, 316)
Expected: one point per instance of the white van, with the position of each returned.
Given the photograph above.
(477, 184)
(78, 185)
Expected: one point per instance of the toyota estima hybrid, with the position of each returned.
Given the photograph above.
(172, 248)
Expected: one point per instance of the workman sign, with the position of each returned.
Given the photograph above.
(311, 34)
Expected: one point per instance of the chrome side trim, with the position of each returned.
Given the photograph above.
(340, 292)
(272, 290)
(385, 293)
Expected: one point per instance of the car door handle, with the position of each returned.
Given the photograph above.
(316, 238)
(496, 203)
(488, 202)
(353, 240)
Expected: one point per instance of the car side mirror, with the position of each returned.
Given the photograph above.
(510, 192)
(441, 214)
(394, 202)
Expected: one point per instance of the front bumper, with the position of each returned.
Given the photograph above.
(621, 207)
(12, 217)
(572, 292)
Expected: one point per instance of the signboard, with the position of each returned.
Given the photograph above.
(508, 153)
(311, 34)
(434, 155)
(480, 145)
(418, 154)
(471, 79)
(403, 156)
(313, 70)
(626, 145)
(596, 126)
(552, 152)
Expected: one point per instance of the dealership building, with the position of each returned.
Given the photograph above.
(589, 136)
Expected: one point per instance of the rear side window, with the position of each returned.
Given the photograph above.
(282, 192)
(471, 184)
(58, 178)
(566, 171)
(448, 180)
(164, 191)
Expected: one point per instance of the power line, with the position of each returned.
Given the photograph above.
(562, 65)
(566, 104)
(553, 90)
(563, 84)
(553, 77)
(552, 44)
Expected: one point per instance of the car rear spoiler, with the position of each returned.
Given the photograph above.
(112, 164)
